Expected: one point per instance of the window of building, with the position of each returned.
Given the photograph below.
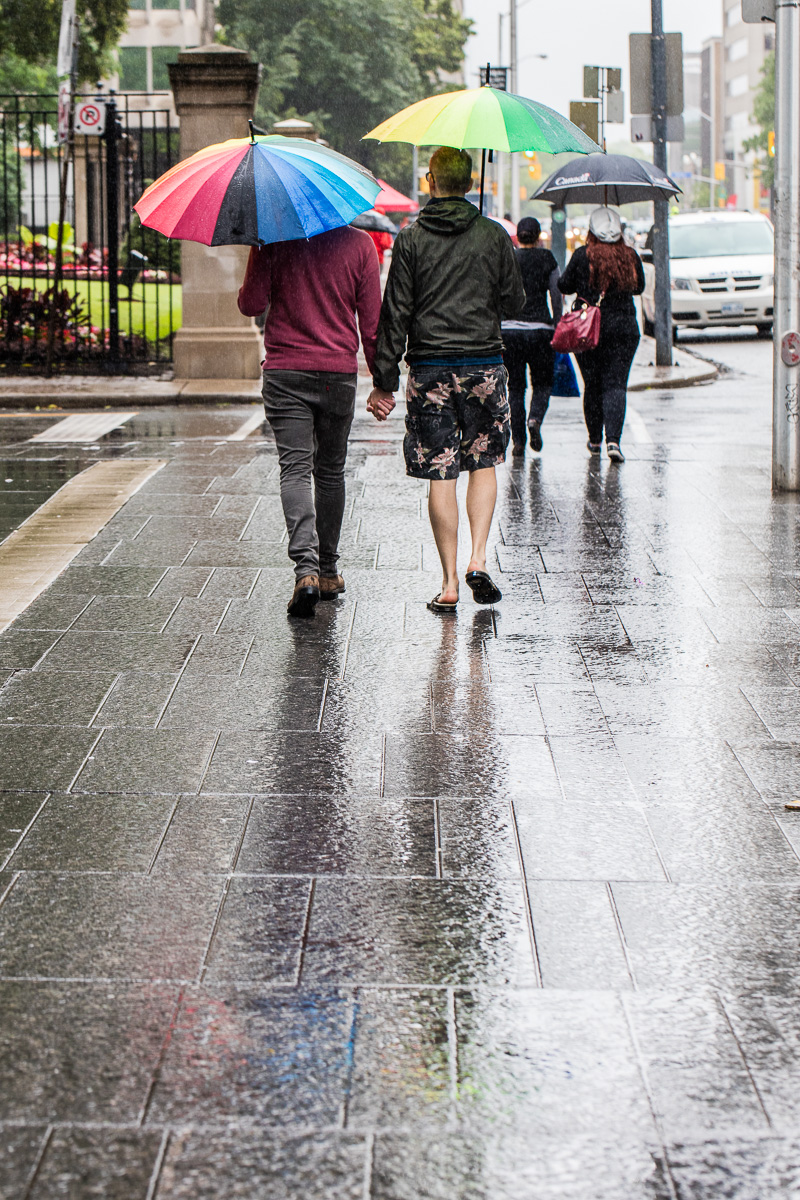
(738, 49)
(140, 4)
(737, 86)
(769, 42)
(165, 3)
(733, 16)
(162, 55)
(133, 69)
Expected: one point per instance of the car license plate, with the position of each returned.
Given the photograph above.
(732, 310)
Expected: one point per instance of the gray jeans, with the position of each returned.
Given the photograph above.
(311, 413)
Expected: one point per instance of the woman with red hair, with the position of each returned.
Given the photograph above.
(608, 272)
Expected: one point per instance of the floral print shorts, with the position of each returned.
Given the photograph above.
(457, 420)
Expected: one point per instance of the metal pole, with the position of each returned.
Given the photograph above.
(415, 174)
(663, 306)
(112, 222)
(786, 310)
(558, 237)
(512, 28)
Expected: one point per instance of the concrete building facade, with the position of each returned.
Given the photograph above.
(744, 48)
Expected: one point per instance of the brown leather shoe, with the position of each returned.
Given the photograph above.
(305, 597)
(330, 586)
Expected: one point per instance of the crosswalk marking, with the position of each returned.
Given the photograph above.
(82, 427)
(250, 426)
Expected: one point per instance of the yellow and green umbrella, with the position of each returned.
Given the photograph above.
(484, 118)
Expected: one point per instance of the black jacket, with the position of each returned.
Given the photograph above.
(617, 311)
(453, 278)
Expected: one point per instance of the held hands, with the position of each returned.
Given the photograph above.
(380, 403)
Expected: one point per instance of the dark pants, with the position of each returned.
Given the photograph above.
(528, 350)
(605, 374)
(311, 413)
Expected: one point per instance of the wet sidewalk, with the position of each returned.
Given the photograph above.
(394, 907)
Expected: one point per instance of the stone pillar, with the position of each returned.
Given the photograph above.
(215, 91)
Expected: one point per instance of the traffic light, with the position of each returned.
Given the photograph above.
(771, 143)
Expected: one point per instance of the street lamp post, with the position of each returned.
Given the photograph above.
(786, 304)
(663, 307)
(512, 27)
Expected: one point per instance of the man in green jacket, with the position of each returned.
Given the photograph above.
(453, 278)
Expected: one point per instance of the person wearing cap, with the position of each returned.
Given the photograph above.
(527, 338)
(607, 272)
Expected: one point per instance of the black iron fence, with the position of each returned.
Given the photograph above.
(117, 304)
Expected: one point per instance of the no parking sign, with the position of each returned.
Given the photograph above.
(90, 117)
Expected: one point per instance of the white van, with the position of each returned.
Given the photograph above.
(721, 268)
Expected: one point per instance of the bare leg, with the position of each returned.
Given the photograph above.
(481, 499)
(443, 513)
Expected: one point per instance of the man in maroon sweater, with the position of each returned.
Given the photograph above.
(313, 291)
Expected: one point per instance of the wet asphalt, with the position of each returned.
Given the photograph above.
(393, 906)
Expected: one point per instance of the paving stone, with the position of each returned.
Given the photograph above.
(240, 1053)
(701, 934)
(33, 757)
(22, 648)
(108, 581)
(17, 810)
(52, 611)
(54, 697)
(126, 614)
(143, 760)
(779, 709)
(332, 835)
(462, 764)
(317, 1166)
(477, 838)
(197, 615)
(758, 1168)
(434, 932)
(448, 1165)
(138, 698)
(119, 652)
(97, 833)
(114, 1165)
(19, 1149)
(80, 1051)
(204, 834)
(183, 581)
(295, 762)
(587, 840)
(696, 1074)
(106, 926)
(260, 931)
(402, 1072)
(549, 1064)
(236, 704)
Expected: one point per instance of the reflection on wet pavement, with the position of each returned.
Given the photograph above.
(389, 906)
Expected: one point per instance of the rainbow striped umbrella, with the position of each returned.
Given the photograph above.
(257, 190)
(484, 118)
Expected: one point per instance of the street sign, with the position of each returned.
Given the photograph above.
(615, 107)
(66, 39)
(584, 114)
(63, 112)
(90, 117)
(642, 129)
(498, 78)
(790, 348)
(641, 91)
(756, 11)
(591, 82)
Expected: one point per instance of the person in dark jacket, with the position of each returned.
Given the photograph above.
(606, 267)
(527, 340)
(453, 278)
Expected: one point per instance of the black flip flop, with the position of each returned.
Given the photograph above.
(442, 606)
(483, 590)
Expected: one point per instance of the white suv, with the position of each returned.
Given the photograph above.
(721, 271)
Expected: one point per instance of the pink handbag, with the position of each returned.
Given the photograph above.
(578, 330)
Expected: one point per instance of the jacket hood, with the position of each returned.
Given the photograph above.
(449, 215)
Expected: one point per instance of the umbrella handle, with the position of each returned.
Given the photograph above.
(483, 175)
(252, 129)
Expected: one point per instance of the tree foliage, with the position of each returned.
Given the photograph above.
(764, 116)
(32, 37)
(347, 64)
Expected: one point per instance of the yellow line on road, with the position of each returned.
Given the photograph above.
(33, 555)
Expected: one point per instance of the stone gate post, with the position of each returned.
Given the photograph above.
(215, 91)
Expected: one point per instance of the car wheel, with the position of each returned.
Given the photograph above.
(765, 331)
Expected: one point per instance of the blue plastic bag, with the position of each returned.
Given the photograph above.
(565, 382)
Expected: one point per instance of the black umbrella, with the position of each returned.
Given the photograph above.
(372, 219)
(605, 179)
